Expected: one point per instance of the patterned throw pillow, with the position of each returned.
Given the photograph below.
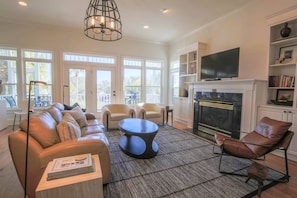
(79, 116)
(68, 128)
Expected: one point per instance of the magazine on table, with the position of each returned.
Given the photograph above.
(71, 165)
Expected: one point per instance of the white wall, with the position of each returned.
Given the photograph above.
(246, 28)
(58, 40)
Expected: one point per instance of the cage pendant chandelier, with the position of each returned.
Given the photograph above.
(102, 21)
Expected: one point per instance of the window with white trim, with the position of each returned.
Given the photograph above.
(73, 57)
(8, 75)
(132, 80)
(38, 67)
(153, 70)
(142, 80)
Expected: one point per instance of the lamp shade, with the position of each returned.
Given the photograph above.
(102, 21)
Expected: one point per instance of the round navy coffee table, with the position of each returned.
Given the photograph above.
(138, 140)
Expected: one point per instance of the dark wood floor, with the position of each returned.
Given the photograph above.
(11, 188)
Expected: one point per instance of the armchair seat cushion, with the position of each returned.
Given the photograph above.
(257, 143)
(238, 149)
(118, 116)
(153, 114)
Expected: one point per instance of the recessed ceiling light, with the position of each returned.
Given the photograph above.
(22, 3)
(146, 27)
(165, 10)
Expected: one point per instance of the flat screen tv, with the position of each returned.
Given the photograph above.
(220, 65)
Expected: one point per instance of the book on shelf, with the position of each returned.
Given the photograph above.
(281, 81)
(70, 166)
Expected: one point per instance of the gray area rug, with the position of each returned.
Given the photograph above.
(184, 167)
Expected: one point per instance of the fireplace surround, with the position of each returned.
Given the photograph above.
(216, 112)
(253, 94)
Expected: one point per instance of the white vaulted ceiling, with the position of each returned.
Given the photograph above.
(184, 16)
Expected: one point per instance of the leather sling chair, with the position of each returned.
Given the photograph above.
(268, 136)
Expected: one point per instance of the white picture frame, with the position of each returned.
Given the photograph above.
(288, 54)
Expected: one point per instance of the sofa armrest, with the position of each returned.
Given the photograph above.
(90, 116)
(139, 112)
(105, 115)
(77, 147)
(131, 112)
(161, 109)
(39, 157)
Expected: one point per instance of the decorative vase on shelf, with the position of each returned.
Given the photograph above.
(285, 31)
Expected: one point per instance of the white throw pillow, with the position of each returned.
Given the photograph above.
(68, 128)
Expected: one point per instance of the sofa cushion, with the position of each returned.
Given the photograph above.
(68, 128)
(91, 130)
(42, 128)
(78, 115)
(94, 122)
(97, 136)
(55, 113)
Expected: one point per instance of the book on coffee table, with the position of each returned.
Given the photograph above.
(71, 165)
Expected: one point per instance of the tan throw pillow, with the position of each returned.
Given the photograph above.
(42, 128)
(68, 128)
(79, 116)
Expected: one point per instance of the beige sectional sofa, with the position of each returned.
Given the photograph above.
(57, 133)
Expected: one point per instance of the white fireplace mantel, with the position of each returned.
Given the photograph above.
(253, 94)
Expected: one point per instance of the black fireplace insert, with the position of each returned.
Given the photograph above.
(216, 112)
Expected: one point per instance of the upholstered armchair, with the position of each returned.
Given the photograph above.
(268, 136)
(151, 111)
(112, 114)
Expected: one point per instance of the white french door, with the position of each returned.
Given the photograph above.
(90, 86)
